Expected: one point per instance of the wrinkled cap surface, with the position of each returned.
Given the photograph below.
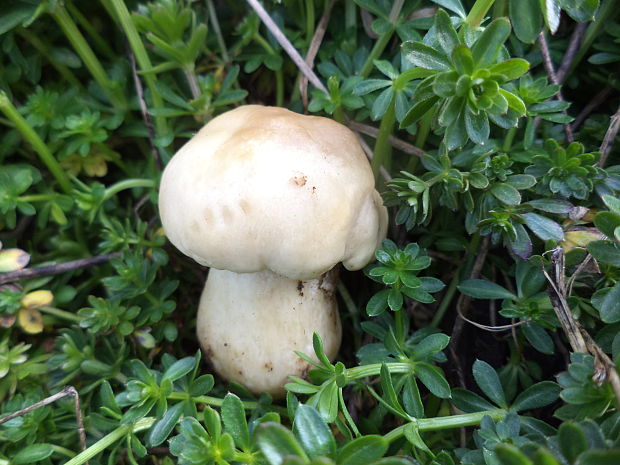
(263, 188)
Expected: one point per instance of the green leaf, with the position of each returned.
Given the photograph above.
(433, 378)
(276, 442)
(445, 34)
(235, 423)
(506, 193)
(381, 103)
(551, 14)
(526, 19)
(607, 222)
(395, 300)
(610, 305)
(488, 381)
(389, 394)
(412, 401)
(580, 10)
(312, 432)
(510, 455)
(538, 337)
(32, 454)
(418, 111)
(425, 57)
(179, 369)
(453, 5)
(327, 403)
(370, 85)
(462, 60)
(469, 402)
(162, 428)
(477, 126)
(543, 227)
(483, 289)
(430, 345)
(536, 396)
(512, 68)
(362, 451)
(487, 47)
(551, 205)
(605, 252)
(378, 303)
(515, 103)
(599, 457)
(572, 440)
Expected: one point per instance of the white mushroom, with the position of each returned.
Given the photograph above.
(277, 199)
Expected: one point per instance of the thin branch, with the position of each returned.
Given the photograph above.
(396, 143)
(215, 24)
(286, 45)
(67, 391)
(597, 100)
(144, 109)
(462, 305)
(48, 270)
(571, 51)
(610, 137)
(317, 38)
(544, 50)
(368, 152)
(579, 339)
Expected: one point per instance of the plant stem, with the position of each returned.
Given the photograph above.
(477, 12)
(424, 130)
(66, 23)
(382, 41)
(64, 451)
(217, 402)
(382, 153)
(59, 313)
(350, 22)
(122, 14)
(446, 300)
(44, 51)
(499, 9)
(127, 184)
(510, 135)
(218, 31)
(448, 422)
(36, 197)
(374, 369)
(347, 415)
(192, 81)
(109, 439)
(99, 41)
(33, 138)
(606, 12)
(310, 20)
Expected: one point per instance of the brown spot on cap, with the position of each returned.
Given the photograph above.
(299, 180)
(300, 288)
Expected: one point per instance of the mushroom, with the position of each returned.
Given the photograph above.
(271, 201)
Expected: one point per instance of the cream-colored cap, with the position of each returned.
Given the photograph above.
(263, 188)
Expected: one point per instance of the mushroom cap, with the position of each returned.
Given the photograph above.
(263, 188)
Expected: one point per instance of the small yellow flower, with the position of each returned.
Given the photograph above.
(28, 317)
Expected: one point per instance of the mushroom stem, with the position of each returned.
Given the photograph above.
(250, 325)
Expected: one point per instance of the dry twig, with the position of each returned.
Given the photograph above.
(579, 339)
(144, 109)
(394, 142)
(67, 391)
(610, 137)
(317, 38)
(59, 268)
(286, 45)
(597, 100)
(544, 50)
(571, 51)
